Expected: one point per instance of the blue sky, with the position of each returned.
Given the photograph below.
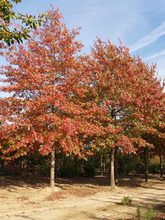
(139, 24)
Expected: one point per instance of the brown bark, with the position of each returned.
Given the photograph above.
(161, 167)
(52, 170)
(116, 165)
(112, 168)
(146, 164)
(101, 164)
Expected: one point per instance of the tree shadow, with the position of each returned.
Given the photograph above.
(134, 181)
(12, 182)
(98, 180)
(91, 182)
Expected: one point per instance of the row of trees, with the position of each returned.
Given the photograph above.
(64, 101)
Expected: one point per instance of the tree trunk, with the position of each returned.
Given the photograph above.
(52, 170)
(146, 164)
(161, 167)
(112, 168)
(116, 165)
(138, 170)
(101, 164)
(1, 166)
(76, 165)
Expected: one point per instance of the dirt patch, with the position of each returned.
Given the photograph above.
(80, 199)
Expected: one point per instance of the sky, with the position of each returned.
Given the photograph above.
(138, 24)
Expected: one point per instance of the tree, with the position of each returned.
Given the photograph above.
(16, 33)
(130, 94)
(63, 102)
(43, 78)
(157, 139)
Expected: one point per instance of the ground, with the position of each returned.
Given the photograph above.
(81, 199)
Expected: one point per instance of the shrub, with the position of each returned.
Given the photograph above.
(126, 200)
(149, 215)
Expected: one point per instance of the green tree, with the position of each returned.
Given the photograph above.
(10, 34)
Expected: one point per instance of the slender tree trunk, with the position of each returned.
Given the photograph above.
(101, 164)
(138, 165)
(52, 170)
(76, 165)
(2, 166)
(161, 167)
(116, 165)
(112, 168)
(146, 164)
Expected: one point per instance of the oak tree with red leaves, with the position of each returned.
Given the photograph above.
(130, 94)
(61, 101)
(41, 112)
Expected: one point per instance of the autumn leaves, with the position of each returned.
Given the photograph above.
(63, 101)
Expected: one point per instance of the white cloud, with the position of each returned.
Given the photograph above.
(156, 55)
(149, 38)
(112, 20)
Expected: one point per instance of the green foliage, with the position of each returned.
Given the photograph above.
(149, 214)
(44, 170)
(154, 168)
(89, 169)
(71, 166)
(127, 164)
(126, 201)
(11, 35)
(67, 169)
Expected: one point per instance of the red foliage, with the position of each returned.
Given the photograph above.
(42, 77)
(127, 90)
(61, 100)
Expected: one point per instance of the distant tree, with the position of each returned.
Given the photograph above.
(157, 139)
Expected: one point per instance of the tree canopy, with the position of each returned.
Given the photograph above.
(63, 100)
